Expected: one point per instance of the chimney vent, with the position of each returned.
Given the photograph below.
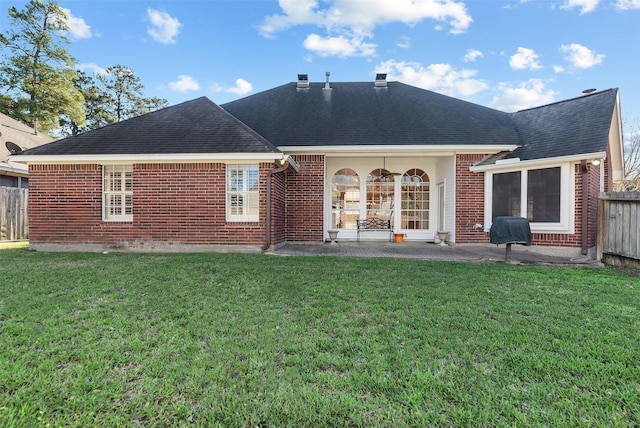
(381, 80)
(303, 81)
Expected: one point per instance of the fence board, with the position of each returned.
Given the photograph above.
(14, 224)
(619, 225)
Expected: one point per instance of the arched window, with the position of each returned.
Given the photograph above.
(415, 200)
(345, 199)
(380, 195)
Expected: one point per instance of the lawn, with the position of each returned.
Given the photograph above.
(113, 340)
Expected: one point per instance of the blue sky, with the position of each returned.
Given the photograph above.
(505, 54)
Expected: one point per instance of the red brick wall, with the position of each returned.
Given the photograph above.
(305, 196)
(469, 201)
(278, 207)
(64, 203)
(173, 204)
(470, 207)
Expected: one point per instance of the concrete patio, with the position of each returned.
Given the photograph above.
(429, 251)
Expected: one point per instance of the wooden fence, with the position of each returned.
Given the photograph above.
(14, 224)
(619, 228)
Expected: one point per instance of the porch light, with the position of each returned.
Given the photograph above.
(595, 162)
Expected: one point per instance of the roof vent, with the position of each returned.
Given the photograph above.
(326, 84)
(589, 91)
(381, 80)
(303, 80)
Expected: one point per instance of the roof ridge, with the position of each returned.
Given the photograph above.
(567, 100)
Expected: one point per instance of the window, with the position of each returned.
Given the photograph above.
(506, 194)
(543, 195)
(380, 187)
(415, 200)
(345, 199)
(541, 188)
(117, 192)
(242, 193)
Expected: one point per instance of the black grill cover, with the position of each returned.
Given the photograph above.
(510, 230)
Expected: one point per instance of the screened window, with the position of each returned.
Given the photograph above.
(415, 200)
(541, 191)
(506, 194)
(345, 199)
(242, 193)
(543, 195)
(380, 195)
(117, 193)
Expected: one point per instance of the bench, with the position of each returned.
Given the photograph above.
(376, 225)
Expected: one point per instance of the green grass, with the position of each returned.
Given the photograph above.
(257, 340)
(13, 244)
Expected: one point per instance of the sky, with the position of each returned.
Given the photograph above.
(504, 54)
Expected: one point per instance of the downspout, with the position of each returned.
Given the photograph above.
(267, 240)
(585, 205)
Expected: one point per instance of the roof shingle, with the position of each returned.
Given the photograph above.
(196, 126)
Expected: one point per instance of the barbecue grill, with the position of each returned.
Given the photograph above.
(510, 230)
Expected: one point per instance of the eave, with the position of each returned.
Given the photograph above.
(364, 150)
(510, 164)
(147, 158)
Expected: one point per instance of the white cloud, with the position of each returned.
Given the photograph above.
(348, 22)
(340, 46)
(585, 6)
(184, 83)
(472, 55)
(628, 4)
(164, 28)
(525, 59)
(242, 87)
(366, 14)
(531, 93)
(441, 78)
(404, 42)
(558, 69)
(78, 29)
(92, 68)
(580, 56)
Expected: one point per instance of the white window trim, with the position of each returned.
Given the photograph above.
(105, 215)
(567, 199)
(246, 217)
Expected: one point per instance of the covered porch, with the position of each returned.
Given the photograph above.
(412, 195)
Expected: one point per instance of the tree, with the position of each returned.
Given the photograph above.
(631, 182)
(37, 72)
(125, 90)
(97, 104)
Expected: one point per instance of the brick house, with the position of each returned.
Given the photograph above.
(290, 163)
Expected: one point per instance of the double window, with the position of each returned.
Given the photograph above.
(534, 194)
(242, 193)
(117, 193)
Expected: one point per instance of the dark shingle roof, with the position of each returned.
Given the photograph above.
(575, 126)
(361, 114)
(197, 126)
(352, 114)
